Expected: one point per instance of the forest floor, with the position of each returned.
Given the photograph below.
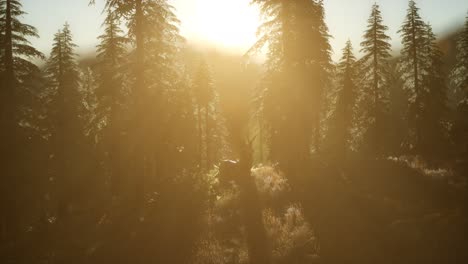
(385, 211)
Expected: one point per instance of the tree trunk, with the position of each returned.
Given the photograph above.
(317, 132)
(8, 56)
(207, 138)
(416, 80)
(252, 211)
(140, 151)
(260, 140)
(200, 139)
(9, 135)
(376, 140)
(139, 49)
(114, 147)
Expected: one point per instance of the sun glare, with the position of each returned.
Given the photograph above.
(231, 24)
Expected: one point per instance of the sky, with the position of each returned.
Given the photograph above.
(232, 24)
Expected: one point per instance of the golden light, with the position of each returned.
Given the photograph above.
(229, 23)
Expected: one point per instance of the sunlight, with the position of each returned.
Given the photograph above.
(231, 24)
(168, 131)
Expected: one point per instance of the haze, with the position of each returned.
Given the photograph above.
(232, 25)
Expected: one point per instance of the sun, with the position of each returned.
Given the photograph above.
(231, 24)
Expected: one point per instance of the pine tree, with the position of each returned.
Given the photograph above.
(298, 68)
(110, 93)
(459, 79)
(434, 100)
(15, 47)
(374, 73)
(413, 33)
(397, 130)
(65, 110)
(182, 109)
(316, 59)
(423, 76)
(204, 95)
(345, 102)
(88, 88)
(15, 69)
(271, 102)
(153, 32)
(134, 13)
(111, 52)
(459, 75)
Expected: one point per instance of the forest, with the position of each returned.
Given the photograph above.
(151, 150)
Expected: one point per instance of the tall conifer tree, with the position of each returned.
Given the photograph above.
(297, 73)
(16, 54)
(345, 102)
(204, 95)
(434, 100)
(65, 110)
(153, 31)
(459, 75)
(414, 38)
(459, 79)
(110, 93)
(374, 73)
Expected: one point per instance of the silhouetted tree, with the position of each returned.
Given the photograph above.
(237, 116)
(413, 33)
(110, 93)
(182, 113)
(434, 100)
(459, 79)
(316, 65)
(15, 68)
(345, 102)
(397, 126)
(88, 87)
(459, 75)
(204, 95)
(297, 74)
(424, 79)
(153, 31)
(66, 109)
(374, 75)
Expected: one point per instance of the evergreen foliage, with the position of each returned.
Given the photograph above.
(204, 94)
(297, 72)
(16, 72)
(110, 116)
(344, 114)
(422, 72)
(121, 158)
(374, 68)
(66, 114)
(459, 85)
(459, 75)
(414, 38)
(434, 135)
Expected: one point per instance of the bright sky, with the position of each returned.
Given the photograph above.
(232, 24)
